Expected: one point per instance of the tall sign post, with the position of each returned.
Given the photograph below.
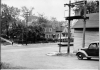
(84, 24)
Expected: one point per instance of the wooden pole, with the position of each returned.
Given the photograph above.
(60, 38)
(60, 43)
(68, 50)
(26, 25)
(84, 25)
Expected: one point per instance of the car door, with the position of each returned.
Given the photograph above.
(97, 51)
(92, 51)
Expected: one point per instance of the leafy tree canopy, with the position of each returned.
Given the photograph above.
(91, 6)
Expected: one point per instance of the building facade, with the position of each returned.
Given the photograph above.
(54, 33)
(91, 33)
(50, 32)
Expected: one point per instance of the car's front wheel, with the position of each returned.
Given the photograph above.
(80, 56)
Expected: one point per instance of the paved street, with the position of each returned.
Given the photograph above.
(34, 56)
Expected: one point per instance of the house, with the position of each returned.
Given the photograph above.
(91, 33)
(51, 29)
(54, 33)
(64, 31)
(51, 32)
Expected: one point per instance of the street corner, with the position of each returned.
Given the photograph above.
(61, 54)
(54, 54)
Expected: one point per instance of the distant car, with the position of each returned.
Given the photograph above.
(90, 52)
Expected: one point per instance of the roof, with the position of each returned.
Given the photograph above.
(95, 42)
(59, 29)
(92, 22)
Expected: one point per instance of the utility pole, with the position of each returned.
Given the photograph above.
(60, 38)
(7, 31)
(26, 15)
(68, 49)
(84, 24)
(22, 34)
(60, 43)
(76, 17)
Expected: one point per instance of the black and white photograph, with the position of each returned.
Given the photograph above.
(49, 34)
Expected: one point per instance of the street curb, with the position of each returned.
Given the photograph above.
(60, 54)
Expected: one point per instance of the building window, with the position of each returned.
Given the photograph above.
(63, 34)
(46, 36)
(49, 36)
(45, 29)
(58, 35)
(50, 29)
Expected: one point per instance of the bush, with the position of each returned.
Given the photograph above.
(50, 40)
(4, 66)
(8, 66)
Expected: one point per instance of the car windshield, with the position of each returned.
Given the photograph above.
(98, 45)
(93, 46)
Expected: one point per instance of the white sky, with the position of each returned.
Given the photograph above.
(50, 8)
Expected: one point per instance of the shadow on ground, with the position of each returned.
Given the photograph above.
(90, 59)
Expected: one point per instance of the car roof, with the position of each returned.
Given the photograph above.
(95, 42)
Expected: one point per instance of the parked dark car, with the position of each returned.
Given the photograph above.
(90, 52)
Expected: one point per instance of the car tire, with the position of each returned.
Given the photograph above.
(89, 58)
(80, 56)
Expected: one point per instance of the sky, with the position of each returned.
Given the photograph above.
(49, 8)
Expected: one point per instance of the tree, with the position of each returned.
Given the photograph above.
(42, 19)
(53, 19)
(5, 19)
(92, 7)
(8, 17)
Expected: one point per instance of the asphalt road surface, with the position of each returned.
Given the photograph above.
(34, 56)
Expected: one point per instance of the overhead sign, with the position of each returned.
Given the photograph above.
(75, 17)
